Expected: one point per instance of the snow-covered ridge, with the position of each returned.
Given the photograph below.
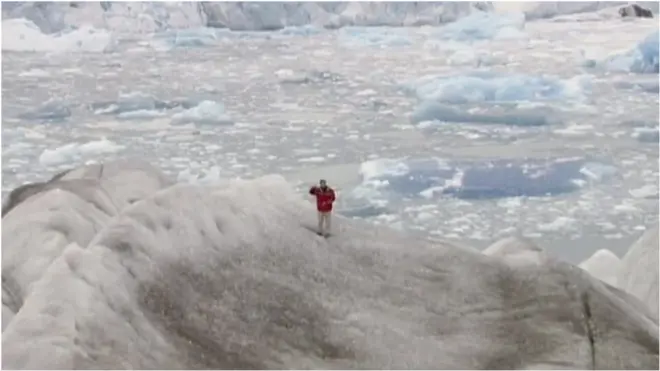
(113, 266)
(141, 17)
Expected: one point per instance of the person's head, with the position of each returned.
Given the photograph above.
(323, 183)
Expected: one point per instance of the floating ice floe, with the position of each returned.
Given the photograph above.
(52, 110)
(641, 59)
(72, 152)
(205, 113)
(485, 26)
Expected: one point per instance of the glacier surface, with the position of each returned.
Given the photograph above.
(114, 266)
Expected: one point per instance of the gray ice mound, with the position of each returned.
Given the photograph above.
(233, 276)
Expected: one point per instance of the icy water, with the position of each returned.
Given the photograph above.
(336, 103)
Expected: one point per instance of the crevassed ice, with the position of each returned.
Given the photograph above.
(149, 17)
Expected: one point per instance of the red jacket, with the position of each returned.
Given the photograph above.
(324, 199)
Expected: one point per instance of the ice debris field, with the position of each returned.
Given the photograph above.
(158, 154)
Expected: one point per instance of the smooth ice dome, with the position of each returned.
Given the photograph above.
(121, 269)
(604, 265)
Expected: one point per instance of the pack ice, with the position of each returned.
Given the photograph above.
(113, 266)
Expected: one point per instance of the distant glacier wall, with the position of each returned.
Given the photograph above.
(147, 17)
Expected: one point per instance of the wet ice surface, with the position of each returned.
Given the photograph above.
(314, 105)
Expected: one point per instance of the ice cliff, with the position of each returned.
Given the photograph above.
(113, 266)
(139, 17)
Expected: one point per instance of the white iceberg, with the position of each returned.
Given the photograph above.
(21, 35)
(205, 113)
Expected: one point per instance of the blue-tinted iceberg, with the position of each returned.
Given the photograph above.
(484, 26)
(52, 110)
(641, 59)
(205, 113)
(381, 37)
(490, 98)
(496, 88)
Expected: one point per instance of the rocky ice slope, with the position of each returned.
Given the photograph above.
(113, 266)
(639, 270)
(139, 17)
(636, 274)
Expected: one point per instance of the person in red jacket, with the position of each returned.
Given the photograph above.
(325, 196)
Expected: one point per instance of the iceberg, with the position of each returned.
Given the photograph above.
(52, 110)
(513, 115)
(73, 151)
(484, 26)
(641, 59)
(489, 87)
(492, 98)
(205, 113)
(122, 269)
(21, 35)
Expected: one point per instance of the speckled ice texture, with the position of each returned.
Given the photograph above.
(112, 266)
